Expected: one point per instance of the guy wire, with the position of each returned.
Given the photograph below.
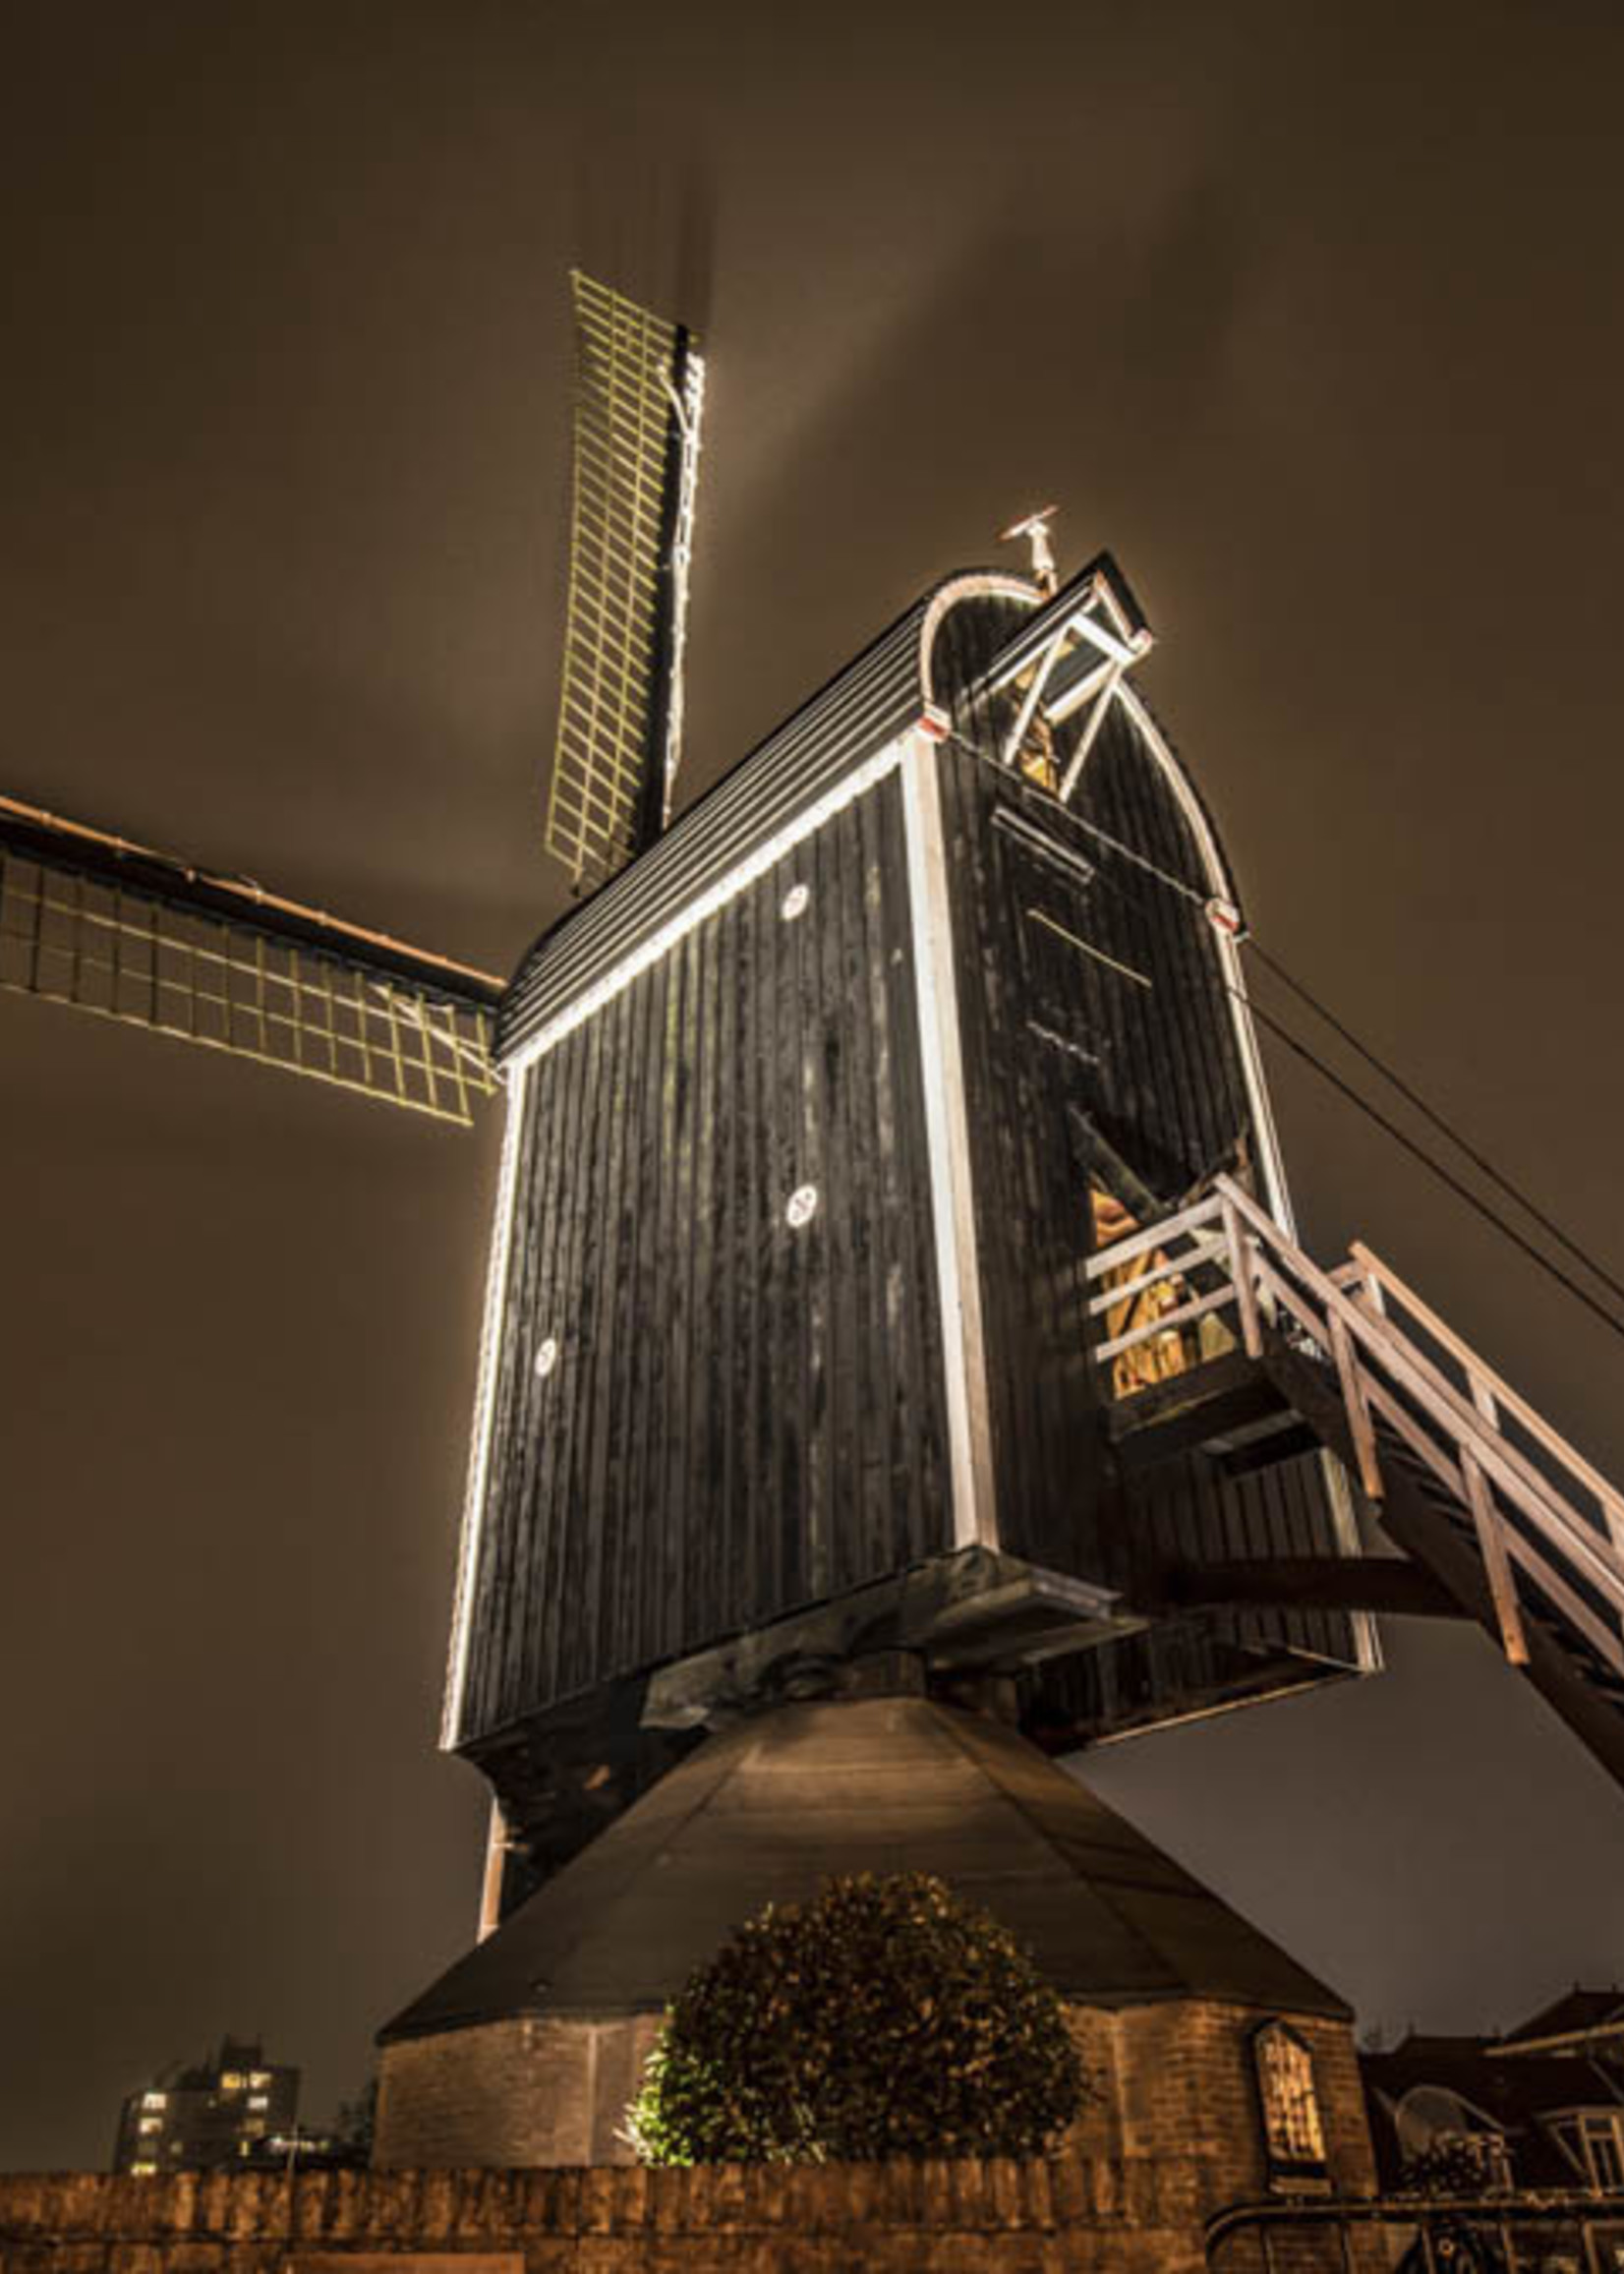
(1188, 891)
(1413, 1097)
(1444, 1176)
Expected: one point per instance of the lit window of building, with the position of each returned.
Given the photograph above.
(206, 2114)
(142, 2171)
(1292, 2129)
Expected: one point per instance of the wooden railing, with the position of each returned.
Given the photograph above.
(1540, 1512)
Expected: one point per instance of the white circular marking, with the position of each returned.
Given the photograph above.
(794, 903)
(802, 1208)
(547, 1358)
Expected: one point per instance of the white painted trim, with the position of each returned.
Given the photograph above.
(1086, 740)
(986, 584)
(1049, 657)
(1075, 697)
(690, 411)
(1126, 650)
(951, 1191)
(485, 1400)
(1271, 1166)
(1139, 637)
(694, 913)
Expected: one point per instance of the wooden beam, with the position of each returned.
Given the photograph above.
(1387, 1584)
(1502, 1583)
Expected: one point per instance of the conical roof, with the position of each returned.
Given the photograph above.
(769, 1810)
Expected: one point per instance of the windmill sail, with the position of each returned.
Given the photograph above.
(639, 394)
(106, 926)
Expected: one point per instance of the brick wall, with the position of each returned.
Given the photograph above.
(1185, 2085)
(1066, 2215)
(512, 2092)
(1174, 2078)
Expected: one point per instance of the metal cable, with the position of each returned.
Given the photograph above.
(1372, 1113)
(1413, 1097)
(1444, 1176)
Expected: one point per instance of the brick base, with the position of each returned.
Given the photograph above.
(511, 2092)
(1173, 2079)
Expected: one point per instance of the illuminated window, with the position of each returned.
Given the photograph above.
(1292, 2129)
(154, 2100)
(259, 2079)
(258, 2100)
(231, 2080)
(150, 2124)
(142, 2171)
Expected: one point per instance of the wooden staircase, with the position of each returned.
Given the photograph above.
(1498, 1518)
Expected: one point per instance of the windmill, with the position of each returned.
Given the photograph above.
(893, 1288)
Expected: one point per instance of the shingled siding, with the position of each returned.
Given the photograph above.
(1137, 2216)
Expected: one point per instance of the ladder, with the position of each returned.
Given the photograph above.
(1491, 1502)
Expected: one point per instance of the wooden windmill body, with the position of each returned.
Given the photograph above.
(817, 1110)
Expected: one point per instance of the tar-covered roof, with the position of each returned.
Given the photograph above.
(858, 712)
(770, 1810)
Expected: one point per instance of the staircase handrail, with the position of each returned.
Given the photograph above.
(1495, 1385)
(1385, 1341)
(1156, 1235)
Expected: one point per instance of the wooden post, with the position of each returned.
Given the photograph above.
(491, 1889)
(1245, 1289)
(1502, 1584)
(1359, 1411)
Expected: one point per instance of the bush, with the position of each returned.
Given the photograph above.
(883, 2018)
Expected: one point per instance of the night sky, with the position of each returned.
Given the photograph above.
(1310, 313)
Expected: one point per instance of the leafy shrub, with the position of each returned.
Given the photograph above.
(883, 2019)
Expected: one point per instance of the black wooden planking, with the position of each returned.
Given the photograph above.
(1032, 1208)
(747, 1418)
(744, 1418)
(1166, 1086)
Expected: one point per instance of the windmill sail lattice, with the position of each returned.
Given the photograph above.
(639, 393)
(92, 922)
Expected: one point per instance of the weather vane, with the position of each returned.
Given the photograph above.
(1035, 529)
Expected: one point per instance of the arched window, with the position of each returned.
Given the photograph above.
(1293, 2134)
